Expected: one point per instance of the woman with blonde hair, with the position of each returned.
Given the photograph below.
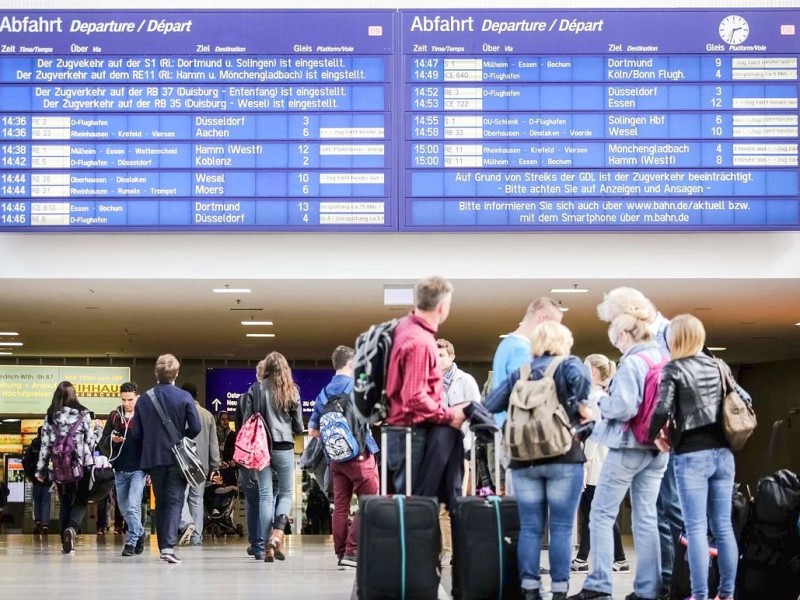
(548, 489)
(277, 398)
(628, 465)
(690, 399)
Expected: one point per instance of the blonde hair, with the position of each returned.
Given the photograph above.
(167, 367)
(687, 336)
(625, 301)
(637, 326)
(606, 367)
(551, 337)
(260, 370)
(278, 378)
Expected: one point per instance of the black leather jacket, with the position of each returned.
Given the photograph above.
(691, 393)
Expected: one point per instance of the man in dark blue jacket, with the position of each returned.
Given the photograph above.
(169, 485)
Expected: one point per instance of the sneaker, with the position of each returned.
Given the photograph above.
(186, 534)
(531, 595)
(139, 548)
(250, 551)
(348, 561)
(128, 550)
(37, 528)
(590, 595)
(260, 555)
(633, 596)
(621, 566)
(170, 557)
(68, 541)
(579, 566)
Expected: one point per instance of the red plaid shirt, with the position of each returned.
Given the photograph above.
(414, 380)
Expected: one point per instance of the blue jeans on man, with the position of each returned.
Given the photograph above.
(670, 521)
(192, 512)
(641, 471)
(705, 484)
(396, 455)
(547, 494)
(130, 487)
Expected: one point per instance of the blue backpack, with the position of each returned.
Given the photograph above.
(337, 429)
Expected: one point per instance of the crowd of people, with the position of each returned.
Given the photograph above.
(679, 477)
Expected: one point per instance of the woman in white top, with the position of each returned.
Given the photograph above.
(602, 370)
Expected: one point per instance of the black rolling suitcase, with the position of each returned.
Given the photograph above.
(485, 538)
(399, 540)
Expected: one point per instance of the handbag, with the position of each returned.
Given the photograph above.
(184, 449)
(738, 417)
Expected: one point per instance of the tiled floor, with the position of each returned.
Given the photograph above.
(32, 569)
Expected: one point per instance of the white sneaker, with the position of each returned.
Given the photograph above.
(170, 557)
(186, 534)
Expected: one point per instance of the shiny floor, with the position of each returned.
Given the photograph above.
(34, 568)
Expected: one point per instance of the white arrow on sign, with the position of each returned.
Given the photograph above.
(216, 403)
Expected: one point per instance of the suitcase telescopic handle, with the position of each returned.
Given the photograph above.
(384, 458)
(473, 460)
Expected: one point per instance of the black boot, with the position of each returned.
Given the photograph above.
(531, 595)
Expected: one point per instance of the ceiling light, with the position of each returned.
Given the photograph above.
(8, 333)
(259, 335)
(561, 308)
(398, 296)
(246, 323)
(797, 324)
(717, 348)
(11, 420)
(10, 344)
(227, 290)
(5, 353)
(505, 335)
(573, 290)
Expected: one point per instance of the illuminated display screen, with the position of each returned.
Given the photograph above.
(406, 120)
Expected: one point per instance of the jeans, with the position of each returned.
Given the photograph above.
(169, 486)
(547, 493)
(41, 503)
(359, 477)
(584, 508)
(705, 485)
(130, 486)
(74, 498)
(641, 471)
(670, 521)
(257, 489)
(283, 465)
(193, 511)
(396, 455)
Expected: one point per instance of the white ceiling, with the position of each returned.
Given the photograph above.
(754, 318)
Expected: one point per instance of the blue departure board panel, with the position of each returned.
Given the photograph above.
(600, 120)
(198, 120)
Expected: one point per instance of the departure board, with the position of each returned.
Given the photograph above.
(600, 120)
(223, 120)
(506, 120)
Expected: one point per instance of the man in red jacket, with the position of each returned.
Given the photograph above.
(414, 378)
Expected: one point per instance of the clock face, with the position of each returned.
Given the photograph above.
(734, 30)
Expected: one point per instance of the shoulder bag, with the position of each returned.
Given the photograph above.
(183, 448)
(738, 417)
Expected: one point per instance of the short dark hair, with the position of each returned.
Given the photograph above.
(341, 355)
(191, 388)
(443, 343)
(128, 386)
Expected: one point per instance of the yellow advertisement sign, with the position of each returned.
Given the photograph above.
(28, 390)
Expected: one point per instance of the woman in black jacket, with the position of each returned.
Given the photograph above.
(690, 401)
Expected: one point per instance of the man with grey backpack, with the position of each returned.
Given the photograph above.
(158, 459)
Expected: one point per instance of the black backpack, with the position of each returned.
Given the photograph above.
(370, 363)
(31, 458)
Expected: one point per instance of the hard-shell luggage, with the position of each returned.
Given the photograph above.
(485, 538)
(399, 540)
